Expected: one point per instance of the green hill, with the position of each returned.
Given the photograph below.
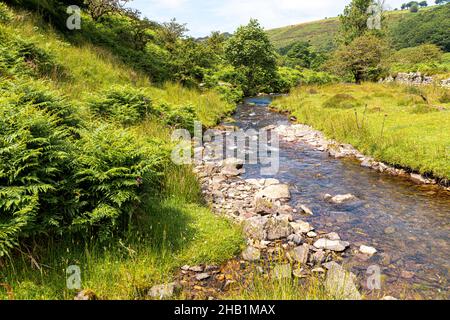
(321, 34)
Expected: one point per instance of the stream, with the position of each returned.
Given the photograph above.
(407, 223)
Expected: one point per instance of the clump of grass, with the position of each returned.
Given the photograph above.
(445, 97)
(341, 101)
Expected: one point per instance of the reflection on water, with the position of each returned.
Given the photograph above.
(407, 223)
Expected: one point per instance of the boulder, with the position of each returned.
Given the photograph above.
(301, 227)
(295, 238)
(318, 257)
(251, 254)
(164, 291)
(254, 228)
(306, 210)
(340, 283)
(333, 245)
(278, 228)
(332, 236)
(275, 192)
(300, 254)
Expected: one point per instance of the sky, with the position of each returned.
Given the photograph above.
(204, 16)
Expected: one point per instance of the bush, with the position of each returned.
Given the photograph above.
(34, 162)
(286, 79)
(5, 14)
(24, 57)
(310, 77)
(342, 101)
(114, 171)
(180, 117)
(445, 98)
(41, 96)
(125, 104)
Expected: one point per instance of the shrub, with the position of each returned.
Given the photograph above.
(34, 158)
(286, 79)
(342, 101)
(125, 104)
(180, 117)
(26, 57)
(113, 171)
(310, 77)
(39, 95)
(5, 14)
(445, 98)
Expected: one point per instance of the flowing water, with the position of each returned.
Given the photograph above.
(407, 223)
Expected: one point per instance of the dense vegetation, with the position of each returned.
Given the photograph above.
(86, 117)
(85, 170)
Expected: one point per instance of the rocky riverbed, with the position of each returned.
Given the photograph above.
(316, 139)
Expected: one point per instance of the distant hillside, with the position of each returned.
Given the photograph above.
(322, 33)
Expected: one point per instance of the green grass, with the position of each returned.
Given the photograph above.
(172, 229)
(393, 123)
(322, 33)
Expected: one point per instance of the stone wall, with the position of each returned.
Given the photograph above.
(414, 78)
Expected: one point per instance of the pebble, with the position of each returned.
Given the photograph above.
(367, 250)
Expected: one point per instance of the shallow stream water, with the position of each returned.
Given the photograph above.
(407, 223)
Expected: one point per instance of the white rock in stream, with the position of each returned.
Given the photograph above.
(341, 198)
(367, 250)
(333, 245)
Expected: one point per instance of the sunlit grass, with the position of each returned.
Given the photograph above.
(405, 126)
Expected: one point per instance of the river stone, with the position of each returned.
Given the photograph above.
(275, 192)
(417, 178)
(389, 230)
(388, 298)
(196, 269)
(164, 291)
(251, 254)
(340, 283)
(202, 276)
(306, 210)
(233, 163)
(254, 228)
(282, 271)
(301, 227)
(367, 250)
(340, 198)
(278, 227)
(265, 207)
(271, 182)
(295, 238)
(332, 236)
(300, 254)
(333, 245)
(311, 234)
(318, 257)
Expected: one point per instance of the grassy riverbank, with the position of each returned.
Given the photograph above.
(401, 125)
(169, 225)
